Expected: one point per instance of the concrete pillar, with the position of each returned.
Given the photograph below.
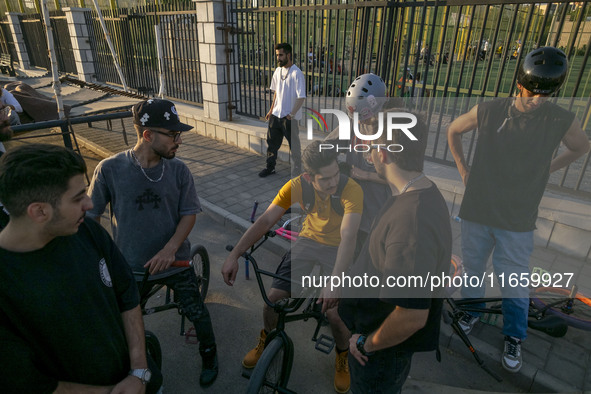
(19, 40)
(213, 61)
(80, 37)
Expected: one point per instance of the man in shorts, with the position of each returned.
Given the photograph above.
(327, 238)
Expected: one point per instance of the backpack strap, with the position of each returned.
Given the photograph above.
(335, 199)
(309, 197)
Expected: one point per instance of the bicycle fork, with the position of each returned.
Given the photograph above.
(455, 315)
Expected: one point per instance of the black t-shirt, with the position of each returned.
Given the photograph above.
(411, 237)
(512, 163)
(60, 313)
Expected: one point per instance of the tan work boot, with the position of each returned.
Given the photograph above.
(252, 357)
(342, 378)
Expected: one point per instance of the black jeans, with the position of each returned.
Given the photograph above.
(186, 292)
(384, 372)
(279, 128)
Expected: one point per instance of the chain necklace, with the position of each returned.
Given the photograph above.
(286, 74)
(413, 180)
(144, 172)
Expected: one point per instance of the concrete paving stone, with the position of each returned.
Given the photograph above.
(537, 344)
(566, 369)
(570, 351)
(233, 177)
(564, 264)
(544, 255)
(570, 241)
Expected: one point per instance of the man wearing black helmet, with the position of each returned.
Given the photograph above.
(504, 186)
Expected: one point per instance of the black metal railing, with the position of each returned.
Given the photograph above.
(436, 49)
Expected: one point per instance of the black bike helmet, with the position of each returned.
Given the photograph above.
(543, 70)
(366, 96)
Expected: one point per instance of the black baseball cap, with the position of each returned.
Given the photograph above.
(158, 113)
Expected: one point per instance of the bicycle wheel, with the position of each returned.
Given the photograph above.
(153, 348)
(200, 259)
(272, 369)
(554, 300)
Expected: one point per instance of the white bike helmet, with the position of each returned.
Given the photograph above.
(366, 96)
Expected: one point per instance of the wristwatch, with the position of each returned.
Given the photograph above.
(142, 374)
(361, 344)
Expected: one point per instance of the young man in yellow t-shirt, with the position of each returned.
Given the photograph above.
(327, 238)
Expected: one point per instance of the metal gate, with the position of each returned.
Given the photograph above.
(35, 41)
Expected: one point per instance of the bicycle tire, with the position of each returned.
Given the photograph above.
(200, 259)
(153, 348)
(580, 316)
(272, 369)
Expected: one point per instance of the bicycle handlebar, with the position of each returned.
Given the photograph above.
(286, 307)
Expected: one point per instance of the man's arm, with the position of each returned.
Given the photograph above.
(349, 228)
(133, 325)
(298, 104)
(253, 234)
(463, 124)
(576, 143)
(166, 256)
(400, 324)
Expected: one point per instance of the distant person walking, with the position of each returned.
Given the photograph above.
(289, 87)
(513, 160)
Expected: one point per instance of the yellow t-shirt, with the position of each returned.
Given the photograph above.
(323, 224)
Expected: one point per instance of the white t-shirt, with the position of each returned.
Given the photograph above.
(289, 85)
(8, 99)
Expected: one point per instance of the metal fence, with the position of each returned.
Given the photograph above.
(437, 49)
(133, 35)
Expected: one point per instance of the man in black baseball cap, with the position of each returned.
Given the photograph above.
(157, 113)
(148, 188)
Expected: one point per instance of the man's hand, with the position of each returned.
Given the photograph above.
(129, 385)
(269, 114)
(357, 173)
(328, 298)
(5, 130)
(353, 350)
(465, 174)
(230, 270)
(161, 261)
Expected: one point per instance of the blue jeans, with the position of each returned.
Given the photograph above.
(510, 256)
(384, 372)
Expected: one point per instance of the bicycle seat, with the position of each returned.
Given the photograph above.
(549, 324)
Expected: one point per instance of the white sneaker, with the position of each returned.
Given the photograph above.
(511, 359)
(467, 322)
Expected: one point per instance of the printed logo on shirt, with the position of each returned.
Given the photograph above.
(148, 197)
(105, 275)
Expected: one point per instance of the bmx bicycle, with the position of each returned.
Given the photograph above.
(272, 372)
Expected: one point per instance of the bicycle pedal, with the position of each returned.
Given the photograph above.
(324, 343)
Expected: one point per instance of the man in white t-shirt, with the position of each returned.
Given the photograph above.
(289, 86)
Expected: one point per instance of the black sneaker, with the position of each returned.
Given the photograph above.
(266, 172)
(209, 368)
(511, 359)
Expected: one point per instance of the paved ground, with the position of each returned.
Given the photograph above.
(226, 180)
